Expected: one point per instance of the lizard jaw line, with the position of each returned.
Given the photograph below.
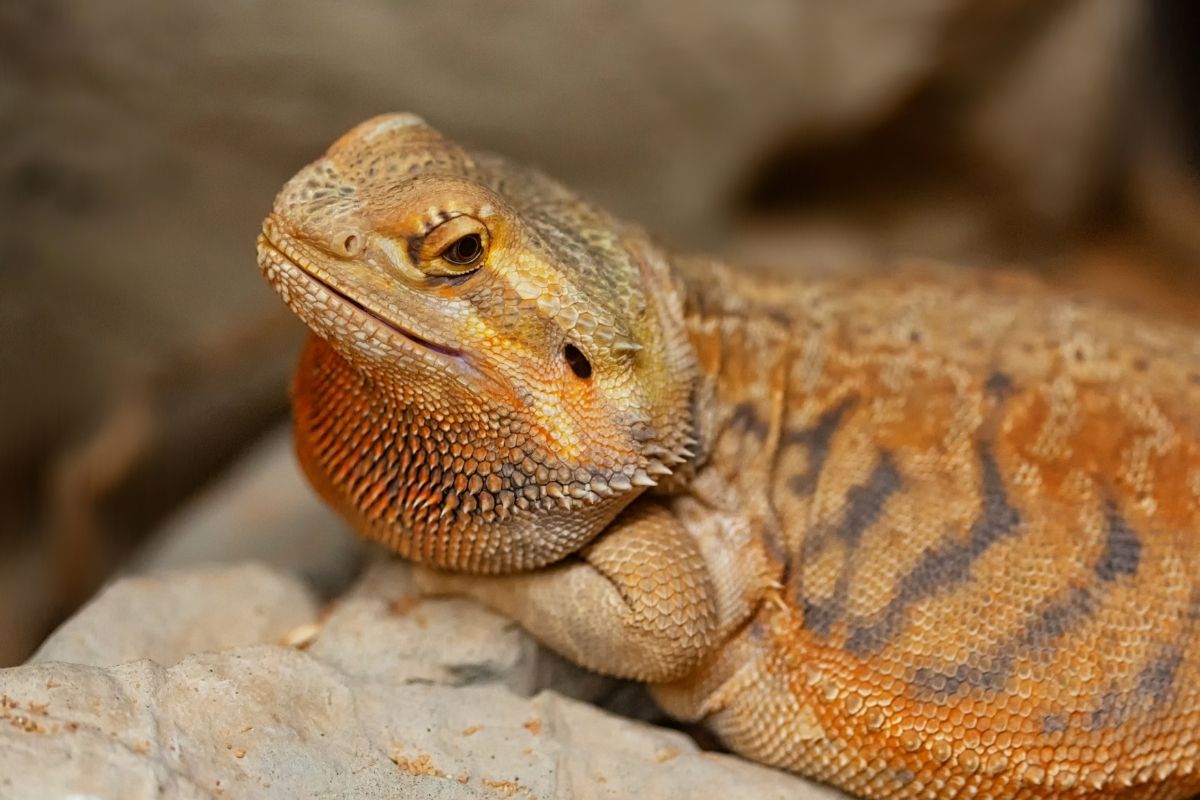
(446, 355)
(407, 334)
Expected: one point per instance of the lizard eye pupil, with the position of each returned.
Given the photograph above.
(464, 250)
(578, 362)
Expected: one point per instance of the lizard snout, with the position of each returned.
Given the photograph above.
(321, 209)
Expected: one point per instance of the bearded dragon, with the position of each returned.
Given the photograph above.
(934, 533)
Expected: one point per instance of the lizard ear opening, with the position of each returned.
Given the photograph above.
(577, 361)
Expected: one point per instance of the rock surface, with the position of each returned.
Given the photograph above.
(165, 617)
(386, 695)
(211, 675)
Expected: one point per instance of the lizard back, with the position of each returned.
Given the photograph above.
(982, 501)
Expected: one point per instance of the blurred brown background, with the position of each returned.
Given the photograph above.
(141, 143)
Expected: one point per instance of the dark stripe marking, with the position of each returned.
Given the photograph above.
(945, 565)
(1053, 621)
(1053, 723)
(746, 419)
(1112, 711)
(865, 501)
(1049, 625)
(864, 505)
(1122, 550)
(817, 441)
(985, 676)
(999, 384)
(1157, 679)
(1154, 686)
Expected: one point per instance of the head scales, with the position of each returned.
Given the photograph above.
(437, 410)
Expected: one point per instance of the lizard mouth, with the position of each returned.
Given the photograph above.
(280, 256)
(392, 326)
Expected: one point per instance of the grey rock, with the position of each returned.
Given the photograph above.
(382, 695)
(273, 722)
(168, 616)
(383, 628)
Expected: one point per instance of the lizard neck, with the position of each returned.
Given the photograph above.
(736, 326)
(429, 486)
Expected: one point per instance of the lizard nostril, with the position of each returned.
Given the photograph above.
(352, 244)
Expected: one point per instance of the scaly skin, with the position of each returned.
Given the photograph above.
(926, 535)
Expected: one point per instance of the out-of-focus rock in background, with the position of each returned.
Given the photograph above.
(141, 143)
(260, 509)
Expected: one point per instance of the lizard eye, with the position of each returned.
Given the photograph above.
(464, 251)
(456, 247)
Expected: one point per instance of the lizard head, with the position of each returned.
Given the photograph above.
(500, 369)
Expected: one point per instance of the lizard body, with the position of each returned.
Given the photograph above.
(925, 535)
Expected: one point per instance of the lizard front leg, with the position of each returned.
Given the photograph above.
(638, 602)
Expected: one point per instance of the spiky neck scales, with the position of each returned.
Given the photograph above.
(450, 487)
